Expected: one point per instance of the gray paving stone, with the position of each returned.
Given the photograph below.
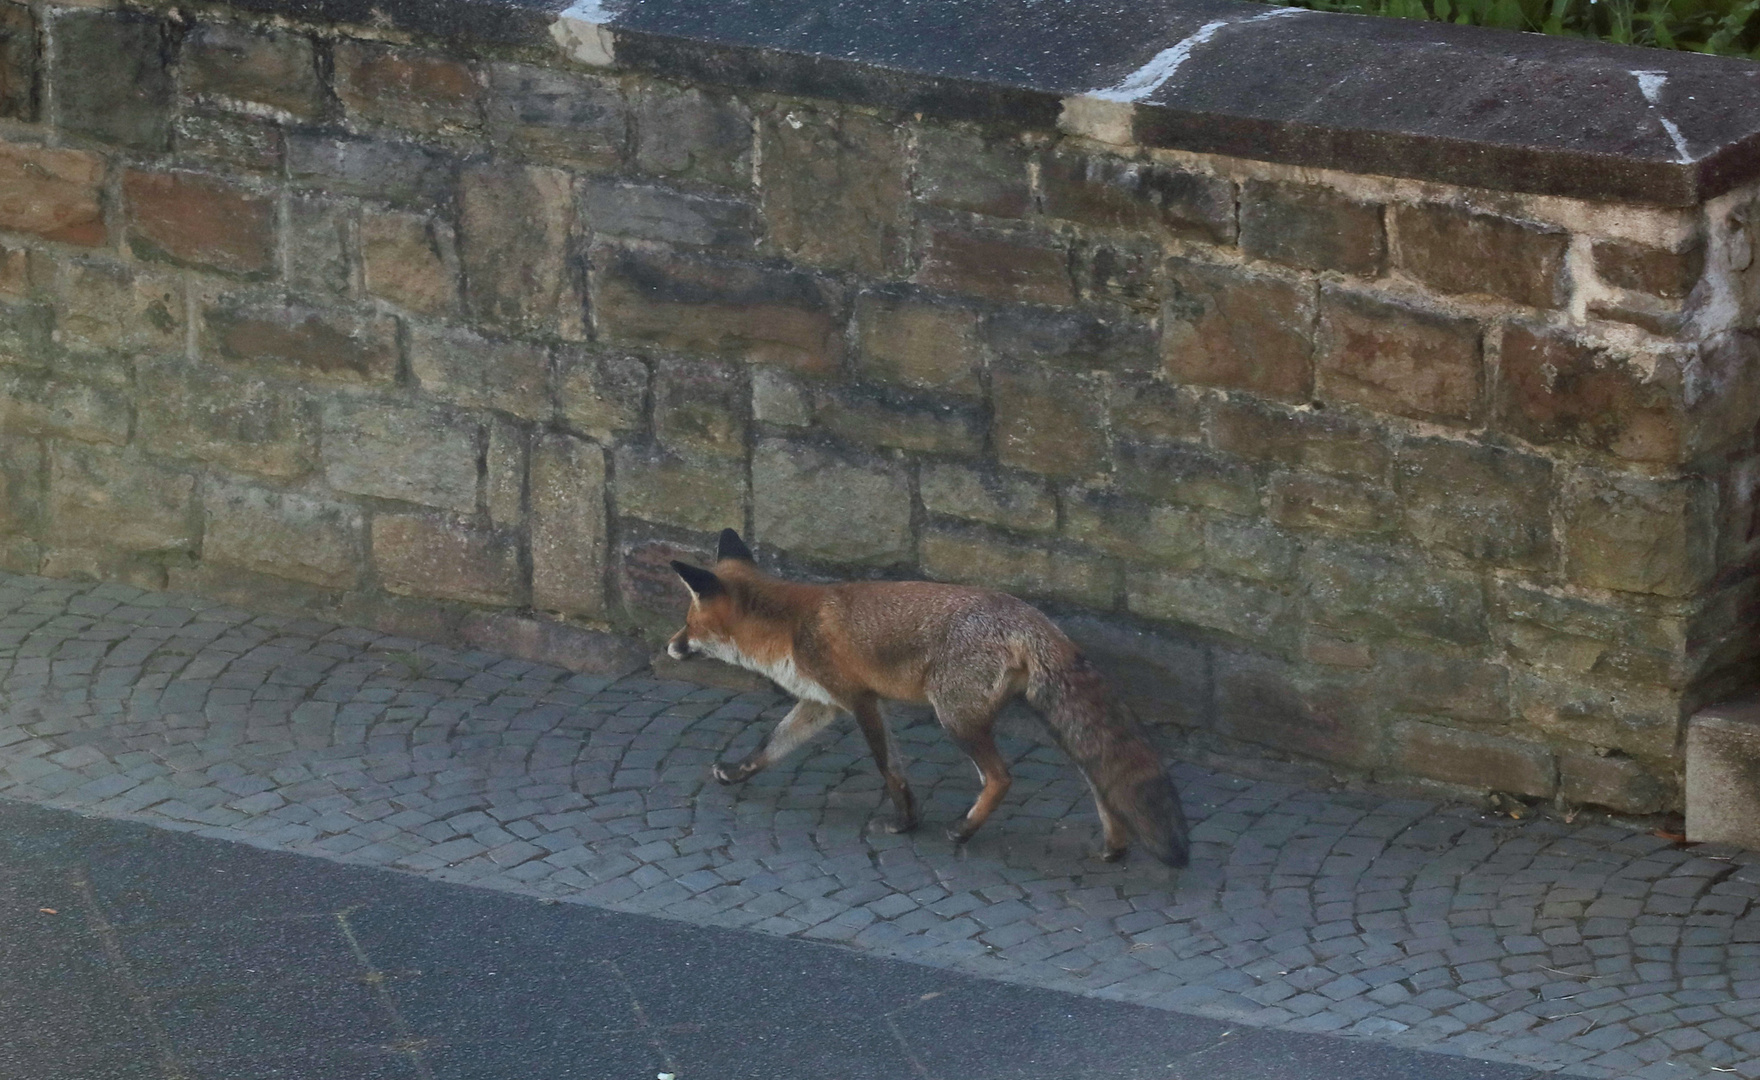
(1585, 946)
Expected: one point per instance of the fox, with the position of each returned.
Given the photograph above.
(965, 651)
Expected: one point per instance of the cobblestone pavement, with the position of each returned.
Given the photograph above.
(1586, 948)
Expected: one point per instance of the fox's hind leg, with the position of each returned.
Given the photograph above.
(1118, 837)
(979, 744)
(804, 721)
(880, 743)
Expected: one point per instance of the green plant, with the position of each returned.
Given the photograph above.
(1726, 27)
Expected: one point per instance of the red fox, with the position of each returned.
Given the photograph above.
(965, 651)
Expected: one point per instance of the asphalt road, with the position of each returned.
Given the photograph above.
(128, 951)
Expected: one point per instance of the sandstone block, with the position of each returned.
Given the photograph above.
(240, 68)
(504, 472)
(23, 469)
(235, 419)
(1459, 251)
(666, 216)
(648, 588)
(1482, 501)
(1659, 272)
(774, 317)
(1239, 330)
(1723, 790)
(1006, 268)
(881, 418)
(18, 63)
(1048, 422)
(1638, 534)
(1168, 536)
(812, 502)
(103, 305)
(1271, 702)
(27, 334)
(1635, 719)
(703, 495)
(1191, 475)
(1116, 193)
(133, 505)
(319, 241)
(834, 190)
(1473, 759)
(601, 395)
(1249, 549)
(700, 407)
(53, 194)
(1445, 685)
(400, 173)
(1072, 339)
(514, 228)
(1152, 410)
(1615, 782)
(1386, 592)
(546, 641)
(445, 559)
(1033, 572)
(1317, 441)
(780, 399)
(1161, 676)
(933, 346)
(686, 133)
(1396, 358)
(197, 220)
(557, 117)
(1119, 269)
(229, 141)
(1009, 500)
(1556, 389)
(410, 260)
(480, 373)
(411, 453)
(962, 171)
(1248, 610)
(302, 342)
(283, 534)
(405, 88)
(568, 526)
(1549, 629)
(130, 105)
(55, 403)
(1313, 228)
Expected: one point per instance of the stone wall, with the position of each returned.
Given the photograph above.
(469, 340)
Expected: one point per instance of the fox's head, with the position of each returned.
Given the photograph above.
(708, 625)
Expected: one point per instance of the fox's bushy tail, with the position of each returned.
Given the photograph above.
(1112, 752)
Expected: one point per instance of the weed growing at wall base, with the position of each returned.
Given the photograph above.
(1726, 27)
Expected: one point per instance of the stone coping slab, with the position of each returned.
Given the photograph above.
(1422, 100)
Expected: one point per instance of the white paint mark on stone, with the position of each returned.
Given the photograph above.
(1650, 84)
(1149, 78)
(584, 32)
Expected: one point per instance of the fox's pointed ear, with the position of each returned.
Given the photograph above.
(702, 583)
(732, 547)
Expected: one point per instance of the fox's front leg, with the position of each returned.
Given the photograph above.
(804, 721)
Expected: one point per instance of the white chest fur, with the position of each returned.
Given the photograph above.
(782, 672)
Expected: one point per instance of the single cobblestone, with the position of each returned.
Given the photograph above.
(1588, 949)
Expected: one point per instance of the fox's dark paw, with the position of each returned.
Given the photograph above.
(1112, 854)
(959, 834)
(730, 774)
(902, 825)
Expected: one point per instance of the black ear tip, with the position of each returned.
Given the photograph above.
(679, 568)
(731, 546)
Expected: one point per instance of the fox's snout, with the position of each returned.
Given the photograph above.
(679, 648)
